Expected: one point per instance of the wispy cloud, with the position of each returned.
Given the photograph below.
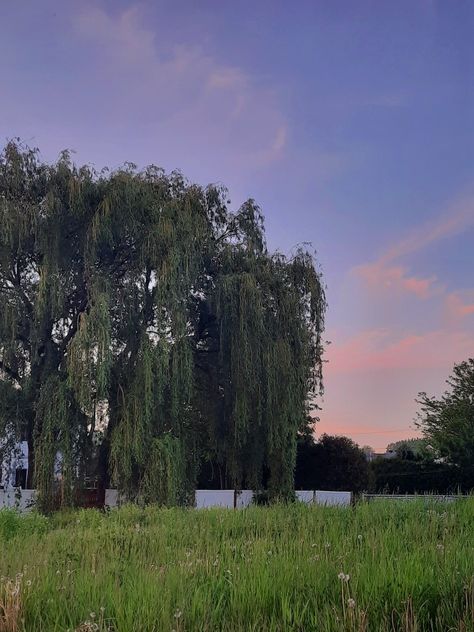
(458, 218)
(183, 89)
(388, 273)
(395, 278)
(377, 350)
(459, 305)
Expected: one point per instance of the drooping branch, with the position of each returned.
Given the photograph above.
(141, 294)
(14, 375)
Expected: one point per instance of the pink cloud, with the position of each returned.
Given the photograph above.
(376, 350)
(458, 218)
(459, 305)
(387, 274)
(379, 276)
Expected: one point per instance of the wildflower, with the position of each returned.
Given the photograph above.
(351, 603)
(92, 615)
(178, 614)
(343, 577)
(359, 537)
(28, 583)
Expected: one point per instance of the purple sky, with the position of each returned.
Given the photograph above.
(351, 123)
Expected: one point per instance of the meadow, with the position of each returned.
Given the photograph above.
(373, 567)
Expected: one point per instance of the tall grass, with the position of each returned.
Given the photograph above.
(375, 567)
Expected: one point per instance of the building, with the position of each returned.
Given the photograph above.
(13, 465)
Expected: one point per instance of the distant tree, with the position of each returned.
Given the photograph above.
(412, 449)
(332, 463)
(448, 422)
(368, 451)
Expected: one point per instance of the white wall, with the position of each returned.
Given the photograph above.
(304, 496)
(332, 498)
(111, 498)
(22, 499)
(244, 498)
(214, 498)
(225, 498)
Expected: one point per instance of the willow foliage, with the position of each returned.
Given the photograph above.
(138, 312)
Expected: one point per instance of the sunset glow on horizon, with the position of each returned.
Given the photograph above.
(351, 124)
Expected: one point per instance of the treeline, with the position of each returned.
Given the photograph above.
(404, 476)
(338, 463)
(146, 331)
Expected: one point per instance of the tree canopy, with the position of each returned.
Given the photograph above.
(332, 462)
(137, 308)
(448, 422)
(417, 449)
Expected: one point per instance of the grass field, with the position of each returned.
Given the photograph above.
(377, 567)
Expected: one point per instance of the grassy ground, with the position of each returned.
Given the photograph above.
(374, 567)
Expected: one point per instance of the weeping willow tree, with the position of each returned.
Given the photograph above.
(137, 308)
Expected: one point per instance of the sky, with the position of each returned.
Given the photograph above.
(350, 123)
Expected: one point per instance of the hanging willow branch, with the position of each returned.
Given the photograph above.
(137, 312)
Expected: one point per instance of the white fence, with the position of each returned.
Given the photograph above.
(23, 499)
(444, 498)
